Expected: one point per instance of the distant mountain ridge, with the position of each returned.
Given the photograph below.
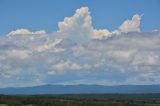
(77, 89)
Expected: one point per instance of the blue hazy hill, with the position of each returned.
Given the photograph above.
(77, 89)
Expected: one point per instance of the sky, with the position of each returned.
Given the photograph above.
(105, 42)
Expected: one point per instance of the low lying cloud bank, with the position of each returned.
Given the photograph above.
(78, 47)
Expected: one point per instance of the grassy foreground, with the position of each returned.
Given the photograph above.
(81, 100)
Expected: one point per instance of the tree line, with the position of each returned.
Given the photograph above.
(81, 100)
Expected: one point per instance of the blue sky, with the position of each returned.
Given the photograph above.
(79, 42)
(45, 14)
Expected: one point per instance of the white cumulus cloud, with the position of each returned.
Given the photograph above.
(132, 25)
(79, 47)
(26, 32)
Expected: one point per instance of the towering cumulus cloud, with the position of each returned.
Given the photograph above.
(77, 53)
(131, 25)
(77, 27)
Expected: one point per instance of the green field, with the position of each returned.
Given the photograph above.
(3, 104)
(81, 100)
